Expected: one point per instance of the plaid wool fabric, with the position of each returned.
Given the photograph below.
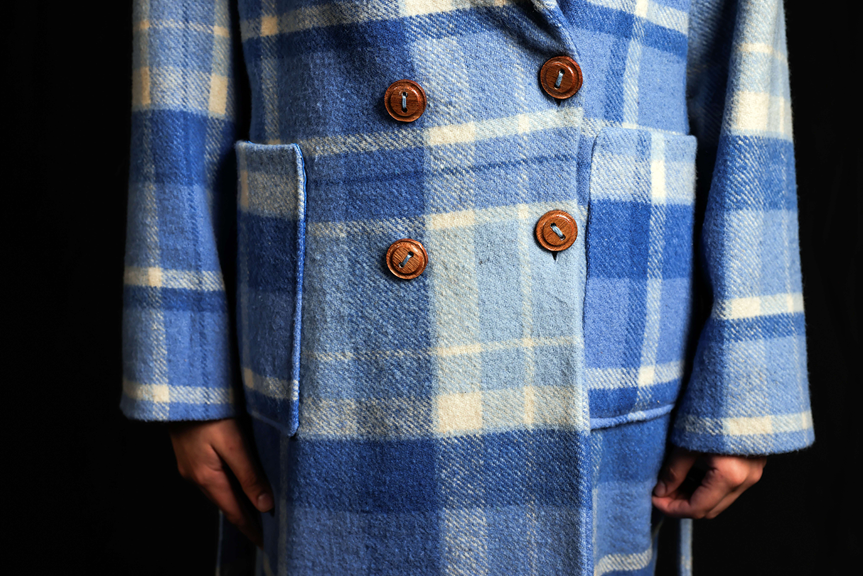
(507, 411)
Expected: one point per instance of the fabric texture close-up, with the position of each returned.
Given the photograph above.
(507, 409)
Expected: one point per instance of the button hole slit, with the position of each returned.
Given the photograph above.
(405, 261)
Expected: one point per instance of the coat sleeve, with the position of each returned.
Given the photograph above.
(748, 389)
(179, 361)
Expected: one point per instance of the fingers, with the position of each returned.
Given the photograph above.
(674, 472)
(217, 487)
(214, 456)
(254, 484)
(713, 488)
(724, 503)
(753, 476)
(727, 477)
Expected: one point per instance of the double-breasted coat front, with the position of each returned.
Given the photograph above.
(507, 410)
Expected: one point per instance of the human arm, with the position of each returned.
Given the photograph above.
(179, 342)
(747, 395)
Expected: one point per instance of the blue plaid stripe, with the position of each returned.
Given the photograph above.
(624, 532)
(496, 414)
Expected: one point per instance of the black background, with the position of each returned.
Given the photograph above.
(87, 489)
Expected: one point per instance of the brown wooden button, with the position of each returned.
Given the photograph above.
(556, 230)
(407, 258)
(405, 100)
(560, 77)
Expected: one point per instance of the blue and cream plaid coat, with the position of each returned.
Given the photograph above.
(507, 411)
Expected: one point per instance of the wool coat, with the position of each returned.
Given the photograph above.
(507, 411)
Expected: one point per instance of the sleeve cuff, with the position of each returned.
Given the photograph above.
(759, 435)
(166, 403)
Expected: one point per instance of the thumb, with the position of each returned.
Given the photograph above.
(674, 472)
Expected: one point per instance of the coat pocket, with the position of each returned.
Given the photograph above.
(270, 257)
(638, 298)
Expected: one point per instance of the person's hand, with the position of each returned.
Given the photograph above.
(725, 478)
(208, 454)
